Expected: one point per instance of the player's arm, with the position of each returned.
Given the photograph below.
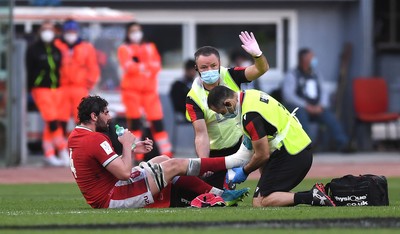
(121, 167)
(143, 147)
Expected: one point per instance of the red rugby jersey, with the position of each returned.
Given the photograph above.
(90, 152)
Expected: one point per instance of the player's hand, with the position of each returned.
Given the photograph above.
(207, 174)
(127, 139)
(240, 175)
(250, 44)
(143, 147)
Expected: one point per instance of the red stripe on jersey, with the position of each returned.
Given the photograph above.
(191, 112)
(129, 190)
(251, 129)
(241, 97)
(239, 68)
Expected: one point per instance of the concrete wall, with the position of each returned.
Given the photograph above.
(321, 30)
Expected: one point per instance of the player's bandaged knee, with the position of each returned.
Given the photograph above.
(193, 167)
(240, 158)
(157, 173)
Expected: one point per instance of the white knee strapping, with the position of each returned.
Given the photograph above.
(193, 167)
(240, 158)
(156, 172)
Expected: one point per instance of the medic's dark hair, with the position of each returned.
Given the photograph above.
(218, 95)
(206, 51)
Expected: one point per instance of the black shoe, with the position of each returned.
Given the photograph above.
(320, 198)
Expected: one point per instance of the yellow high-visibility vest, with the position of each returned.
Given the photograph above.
(222, 132)
(289, 131)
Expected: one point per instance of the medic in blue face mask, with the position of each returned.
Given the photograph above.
(210, 76)
(208, 67)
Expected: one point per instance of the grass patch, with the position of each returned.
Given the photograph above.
(63, 204)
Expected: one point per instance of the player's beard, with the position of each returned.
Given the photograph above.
(101, 126)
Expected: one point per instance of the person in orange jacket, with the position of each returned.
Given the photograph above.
(79, 70)
(43, 61)
(141, 63)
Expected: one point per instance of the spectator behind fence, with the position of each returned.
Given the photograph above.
(181, 87)
(43, 60)
(141, 63)
(302, 88)
(79, 70)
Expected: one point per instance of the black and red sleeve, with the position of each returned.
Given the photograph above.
(237, 74)
(194, 111)
(257, 127)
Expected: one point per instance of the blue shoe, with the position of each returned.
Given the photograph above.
(232, 197)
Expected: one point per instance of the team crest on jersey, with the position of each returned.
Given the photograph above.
(106, 147)
(264, 97)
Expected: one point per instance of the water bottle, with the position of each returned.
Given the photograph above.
(119, 130)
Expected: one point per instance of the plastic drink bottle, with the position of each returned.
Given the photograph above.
(120, 131)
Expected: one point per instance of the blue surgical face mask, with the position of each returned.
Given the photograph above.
(229, 115)
(210, 76)
(314, 63)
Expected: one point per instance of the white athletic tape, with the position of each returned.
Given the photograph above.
(240, 158)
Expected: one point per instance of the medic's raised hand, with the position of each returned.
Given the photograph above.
(250, 44)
